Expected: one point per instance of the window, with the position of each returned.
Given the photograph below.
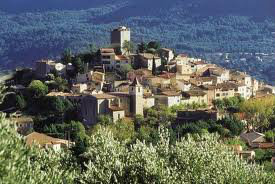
(117, 62)
(118, 116)
(118, 66)
(106, 62)
(139, 90)
(106, 57)
(218, 95)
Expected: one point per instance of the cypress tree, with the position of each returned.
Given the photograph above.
(154, 68)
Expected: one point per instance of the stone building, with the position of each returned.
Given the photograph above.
(168, 98)
(194, 96)
(43, 68)
(119, 36)
(136, 95)
(167, 54)
(145, 60)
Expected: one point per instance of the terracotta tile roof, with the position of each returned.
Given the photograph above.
(199, 63)
(43, 139)
(170, 93)
(167, 75)
(251, 136)
(267, 145)
(116, 108)
(120, 94)
(22, 120)
(223, 86)
(63, 94)
(121, 57)
(103, 96)
(107, 50)
(193, 93)
(149, 56)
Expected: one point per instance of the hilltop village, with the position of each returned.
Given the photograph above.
(122, 83)
(110, 85)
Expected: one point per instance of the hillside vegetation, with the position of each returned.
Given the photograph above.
(39, 29)
(203, 159)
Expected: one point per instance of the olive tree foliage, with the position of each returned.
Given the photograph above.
(195, 159)
(30, 165)
(258, 111)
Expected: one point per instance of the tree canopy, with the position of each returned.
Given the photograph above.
(37, 89)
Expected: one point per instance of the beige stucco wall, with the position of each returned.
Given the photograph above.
(116, 115)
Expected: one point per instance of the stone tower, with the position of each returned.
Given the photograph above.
(119, 36)
(136, 98)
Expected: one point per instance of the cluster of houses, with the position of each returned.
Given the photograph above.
(185, 80)
(182, 80)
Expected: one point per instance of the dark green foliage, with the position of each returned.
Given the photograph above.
(231, 104)
(9, 101)
(104, 120)
(235, 126)
(37, 89)
(23, 76)
(20, 102)
(142, 47)
(79, 65)
(67, 56)
(263, 155)
(227, 127)
(154, 69)
(56, 105)
(270, 135)
(154, 45)
(59, 84)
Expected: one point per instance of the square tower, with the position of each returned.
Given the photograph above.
(119, 36)
(136, 98)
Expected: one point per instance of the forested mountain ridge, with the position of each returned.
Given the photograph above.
(37, 29)
(205, 7)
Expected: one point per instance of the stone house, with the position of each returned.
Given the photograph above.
(146, 60)
(198, 81)
(23, 124)
(185, 116)
(167, 54)
(184, 69)
(253, 139)
(168, 98)
(92, 106)
(116, 104)
(194, 96)
(45, 141)
(44, 67)
(84, 78)
(107, 58)
(183, 85)
(221, 75)
(79, 88)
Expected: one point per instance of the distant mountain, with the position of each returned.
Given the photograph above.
(257, 8)
(35, 29)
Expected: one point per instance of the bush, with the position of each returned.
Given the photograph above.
(269, 136)
(191, 160)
